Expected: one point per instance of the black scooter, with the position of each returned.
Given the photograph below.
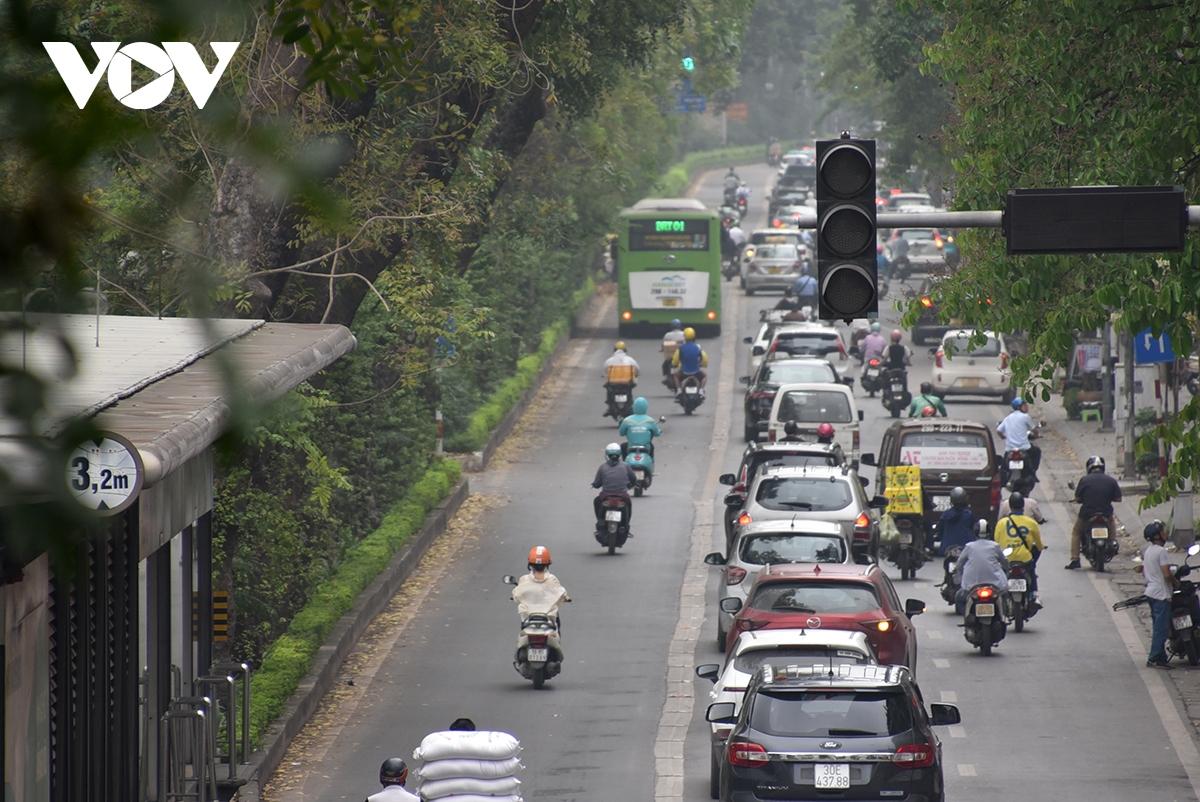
(1184, 638)
(896, 396)
(949, 586)
(612, 529)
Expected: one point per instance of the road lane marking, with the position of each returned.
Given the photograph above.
(956, 731)
(679, 706)
(950, 697)
(1178, 732)
(941, 662)
(933, 634)
(966, 770)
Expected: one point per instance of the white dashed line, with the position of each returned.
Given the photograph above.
(933, 634)
(941, 662)
(950, 697)
(966, 770)
(956, 731)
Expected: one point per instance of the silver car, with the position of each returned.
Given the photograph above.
(817, 493)
(775, 266)
(755, 545)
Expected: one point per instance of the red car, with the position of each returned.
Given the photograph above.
(859, 598)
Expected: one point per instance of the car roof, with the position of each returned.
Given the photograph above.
(804, 472)
(803, 327)
(920, 423)
(774, 638)
(807, 526)
(827, 387)
(970, 333)
(779, 572)
(801, 360)
(792, 447)
(844, 675)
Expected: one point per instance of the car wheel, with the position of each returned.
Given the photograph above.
(714, 776)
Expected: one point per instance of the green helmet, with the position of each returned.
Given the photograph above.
(640, 406)
(875, 326)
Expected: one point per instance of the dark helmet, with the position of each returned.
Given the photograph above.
(394, 771)
(1153, 529)
(1095, 463)
(1016, 502)
(958, 497)
(926, 388)
(791, 429)
(462, 725)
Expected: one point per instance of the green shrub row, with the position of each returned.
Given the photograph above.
(484, 419)
(674, 182)
(290, 657)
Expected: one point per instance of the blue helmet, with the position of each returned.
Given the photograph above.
(676, 323)
(640, 405)
(1018, 402)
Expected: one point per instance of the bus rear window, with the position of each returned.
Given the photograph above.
(668, 235)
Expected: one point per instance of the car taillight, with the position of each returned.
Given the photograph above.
(937, 358)
(771, 436)
(926, 302)
(537, 641)
(744, 519)
(1003, 360)
(914, 756)
(762, 395)
(862, 527)
(734, 575)
(746, 754)
(984, 593)
(994, 495)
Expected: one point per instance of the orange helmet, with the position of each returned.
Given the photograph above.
(539, 556)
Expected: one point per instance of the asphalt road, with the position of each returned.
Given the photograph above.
(1063, 711)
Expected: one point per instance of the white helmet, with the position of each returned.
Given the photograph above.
(612, 451)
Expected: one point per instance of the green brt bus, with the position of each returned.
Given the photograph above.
(668, 266)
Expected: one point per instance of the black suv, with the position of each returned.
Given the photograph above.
(832, 732)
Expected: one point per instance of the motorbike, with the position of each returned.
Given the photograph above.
(949, 586)
(539, 654)
(984, 618)
(642, 461)
(1095, 544)
(1019, 593)
(620, 401)
(1184, 637)
(689, 395)
(896, 396)
(908, 551)
(743, 205)
(729, 268)
(1013, 471)
(872, 376)
(613, 529)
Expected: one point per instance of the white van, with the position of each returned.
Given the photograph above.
(809, 405)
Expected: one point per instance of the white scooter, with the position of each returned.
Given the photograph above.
(539, 652)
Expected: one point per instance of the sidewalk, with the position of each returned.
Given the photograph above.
(1066, 444)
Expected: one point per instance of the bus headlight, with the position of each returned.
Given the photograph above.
(627, 315)
(712, 315)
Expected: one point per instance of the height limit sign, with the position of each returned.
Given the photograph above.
(104, 474)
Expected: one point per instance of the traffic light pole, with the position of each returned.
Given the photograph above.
(978, 219)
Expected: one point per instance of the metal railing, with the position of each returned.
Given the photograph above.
(221, 684)
(187, 769)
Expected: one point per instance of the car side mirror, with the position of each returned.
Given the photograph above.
(860, 415)
(730, 605)
(744, 379)
(714, 558)
(748, 340)
(868, 459)
(727, 479)
(509, 579)
(913, 607)
(708, 671)
(940, 715)
(734, 500)
(725, 713)
(662, 418)
(878, 503)
(758, 350)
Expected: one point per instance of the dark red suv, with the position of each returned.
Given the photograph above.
(859, 598)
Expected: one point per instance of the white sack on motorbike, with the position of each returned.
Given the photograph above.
(483, 745)
(478, 798)
(469, 767)
(453, 787)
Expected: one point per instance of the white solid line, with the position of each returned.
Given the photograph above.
(933, 634)
(949, 697)
(941, 662)
(1179, 733)
(966, 770)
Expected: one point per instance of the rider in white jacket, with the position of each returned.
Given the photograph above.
(539, 590)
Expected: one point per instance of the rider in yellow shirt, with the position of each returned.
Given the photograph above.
(1023, 535)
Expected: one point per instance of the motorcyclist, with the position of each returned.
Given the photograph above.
(728, 248)
(731, 181)
(956, 527)
(620, 371)
(670, 344)
(538, 582)
(690, 360)
(882, 266)
(899, 253)
(738, 235)
(1032, 509)
(1017, 428)
(743, 192)
(805, 288)
(1022, 534)
(897, 356)
(982, 562)
(639, 429)
(926, 398)
(1096, 493)
(873, 345)
(613, 478)
(392, 776)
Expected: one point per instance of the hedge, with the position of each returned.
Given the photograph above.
(674, 182)
(290, 657)
(512, 389)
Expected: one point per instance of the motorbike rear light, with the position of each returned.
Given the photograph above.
(862, 527)
(873, 362)
(614, 503)
(746, 754)
(734, 575)
(537, 641)
(984, 593)
(776, 223)
(926, 302)
(744, 519)
(937, 358)
(915, 756)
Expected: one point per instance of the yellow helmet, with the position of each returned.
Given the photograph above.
(620, 346)
(689, 334)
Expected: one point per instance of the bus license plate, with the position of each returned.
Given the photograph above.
(670, 301)
(985, 610)
(1100, 533)
(1183, 622)
(537, 655)
(1017, 584)
(612, 515)
(832, 775)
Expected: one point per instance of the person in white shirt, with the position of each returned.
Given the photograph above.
(392, 776)
(1156, 568)
(737, 235)
(1031, 509)
(1015, 429)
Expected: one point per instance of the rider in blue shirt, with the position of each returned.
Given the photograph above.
(639, 429)
(690, 359)
(957, 524)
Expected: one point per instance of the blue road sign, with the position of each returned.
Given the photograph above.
(690, 102)
(1148, 349)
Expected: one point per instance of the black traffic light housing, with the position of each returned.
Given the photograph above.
(847, 275)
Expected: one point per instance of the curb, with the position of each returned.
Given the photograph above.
(337, 646)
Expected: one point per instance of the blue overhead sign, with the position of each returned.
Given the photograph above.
(1148, 349)
(690, 102)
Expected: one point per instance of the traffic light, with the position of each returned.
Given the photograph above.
(688, 63)
(847, 276)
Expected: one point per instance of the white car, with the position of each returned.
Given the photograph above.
(752, 650)
(809, 405)
(962, 369)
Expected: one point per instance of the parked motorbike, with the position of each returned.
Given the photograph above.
(620, 401)
(872, 376)
(908, 551)
(1020, 593)
(896, 396)
(1184, 638)
(949, 586)
(539, 654)
(984, 618)
(689, 395)
(613, 529)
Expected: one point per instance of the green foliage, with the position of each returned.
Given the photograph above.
(290, 656)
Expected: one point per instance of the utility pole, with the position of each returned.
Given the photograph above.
(1106, 402)
(1130, 466)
